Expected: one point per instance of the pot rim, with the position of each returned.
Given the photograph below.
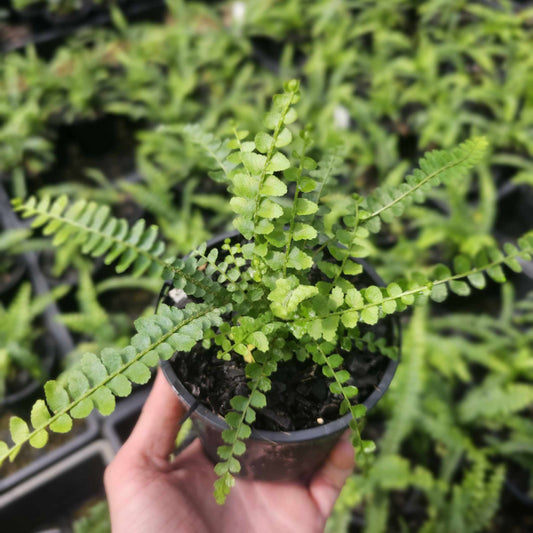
(300, 435)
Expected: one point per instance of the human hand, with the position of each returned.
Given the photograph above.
(149, 494)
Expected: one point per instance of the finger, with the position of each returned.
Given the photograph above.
(155, 433)
(327, 483)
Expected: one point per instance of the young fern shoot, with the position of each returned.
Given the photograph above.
(290, 287)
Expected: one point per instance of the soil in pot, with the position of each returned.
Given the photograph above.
(299, 398)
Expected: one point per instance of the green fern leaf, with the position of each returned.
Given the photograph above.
(96, 380)
(435, 167)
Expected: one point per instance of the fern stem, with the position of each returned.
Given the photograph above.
(320, 248)
(291, 225)
(245, 410)
(355, 426)
(324, 182)
(347, 256)
(270, 153)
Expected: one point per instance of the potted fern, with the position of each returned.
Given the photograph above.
(286, 289)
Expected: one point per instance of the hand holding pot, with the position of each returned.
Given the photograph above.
(147, 492)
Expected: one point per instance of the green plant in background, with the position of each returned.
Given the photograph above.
(8, 242)
(18, 335)
(409, 68)
(98, 327)
(422, 420)
(490, 421)
(95, 520)
(497, 408)
(258, 292)
(406, 80)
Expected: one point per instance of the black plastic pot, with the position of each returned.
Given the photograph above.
(89, 433)
(28, 392)
(50, 499)
(13, 277)
(272, 455)
(69, 18)
(48, 31)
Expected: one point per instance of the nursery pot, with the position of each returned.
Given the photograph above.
(69, 18)
(33, 386)
(48, 501)
(278, 455)
(13, 277)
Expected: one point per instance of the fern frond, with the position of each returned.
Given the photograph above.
(248, 335)
(217, 152)
(386, 203)
(332, 368)
(239, 421)
(329, 166)
(408, 385)
(95, 520)
(377, 513)
(491, 401)
(374, 344)
(254, 187)
(17, 318)
(230, 271)
(98, 379)
(18, 332)
(100, 234)
(369, 304)
(97, 232)
(473, 502)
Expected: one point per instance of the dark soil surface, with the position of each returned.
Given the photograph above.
(300, 397)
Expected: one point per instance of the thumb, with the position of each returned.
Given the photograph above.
(155, 433)
(327, 483)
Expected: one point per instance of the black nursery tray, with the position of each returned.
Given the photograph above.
(42, 28)
(51, 498)
(38, 460)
